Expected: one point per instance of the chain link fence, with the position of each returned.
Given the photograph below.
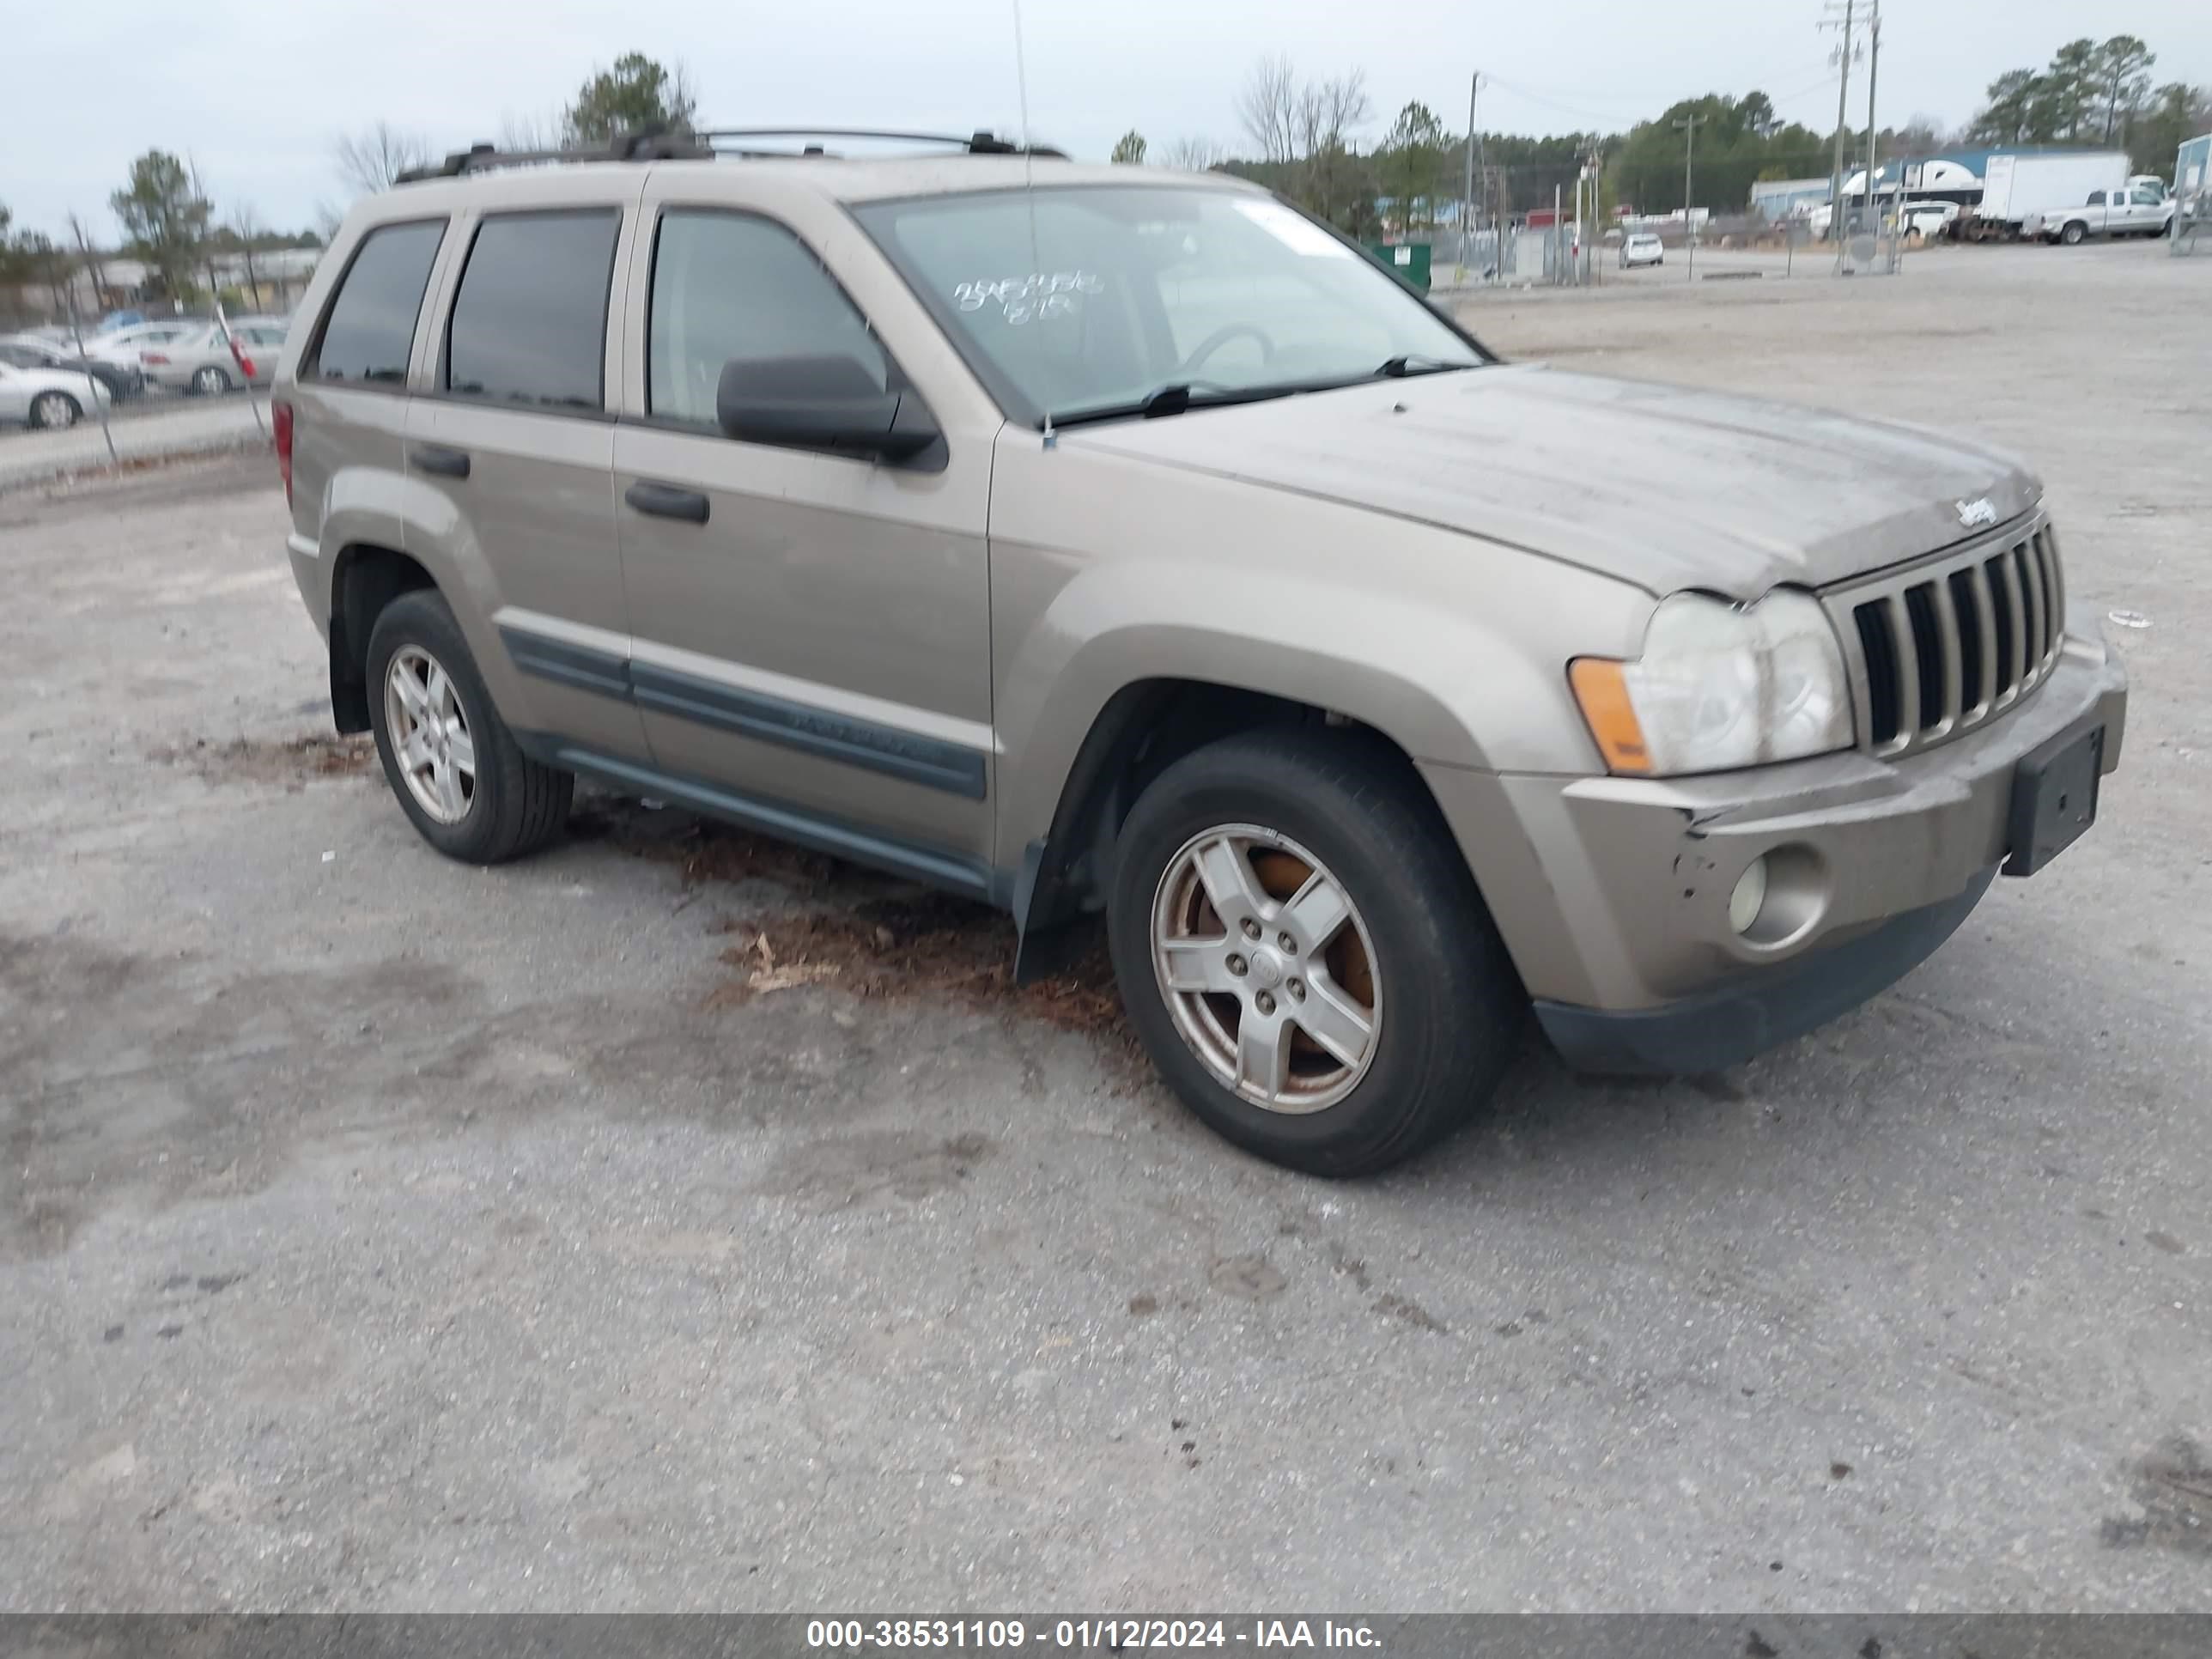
(111, 348)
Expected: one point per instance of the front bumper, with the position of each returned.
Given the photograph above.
(1613, 893)
(1747, 1015)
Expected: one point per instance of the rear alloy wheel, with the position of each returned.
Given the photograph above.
(430, 734)
(1304, 953)
(55, 408)
(212, 381)
(457, 770)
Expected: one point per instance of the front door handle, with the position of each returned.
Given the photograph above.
(436, 458)
(666, 502)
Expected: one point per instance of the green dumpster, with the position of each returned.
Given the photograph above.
(1408, 261)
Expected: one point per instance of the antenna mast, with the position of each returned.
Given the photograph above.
(1028, 174)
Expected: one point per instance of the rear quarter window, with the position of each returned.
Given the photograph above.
(370, 327)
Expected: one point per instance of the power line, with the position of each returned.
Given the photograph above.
(1624, 109)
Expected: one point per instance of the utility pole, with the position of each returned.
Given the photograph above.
(1467, 198)
(1842, 91)
(1873, 139)
(1687, 126)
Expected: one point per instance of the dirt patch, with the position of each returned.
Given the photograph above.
(855, 931)
(2172, 1489)
(704, 851)
(1412, 1312)
(291, 762)
(914, 943)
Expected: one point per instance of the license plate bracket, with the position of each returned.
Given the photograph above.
(2054, 799)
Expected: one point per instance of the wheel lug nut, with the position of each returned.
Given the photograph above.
(1235, 964)
(1251, 929)
(1289, 944)
(1264, 1003)
(1297, 988)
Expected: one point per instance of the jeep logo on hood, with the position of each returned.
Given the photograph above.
(1976, 512)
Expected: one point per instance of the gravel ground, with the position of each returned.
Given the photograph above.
(384, 1234)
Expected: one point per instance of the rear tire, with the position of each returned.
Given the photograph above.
(55, 409)
(1417, 958)
(510, 804)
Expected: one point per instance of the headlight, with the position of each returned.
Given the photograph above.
(1720, 686)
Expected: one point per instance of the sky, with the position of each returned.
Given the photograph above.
(257, 90)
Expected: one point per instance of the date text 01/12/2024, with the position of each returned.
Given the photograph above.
(1111, 1635)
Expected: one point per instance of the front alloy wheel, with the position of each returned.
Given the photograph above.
(1270, 891)
(1266, 967)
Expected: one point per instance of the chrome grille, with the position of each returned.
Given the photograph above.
(1943, 646)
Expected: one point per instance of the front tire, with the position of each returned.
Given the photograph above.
(212, 381)
(457, 770)
(1304, 953)
(2074, 234)
(55, 409)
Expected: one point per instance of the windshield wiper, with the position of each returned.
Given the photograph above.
(1174, 398)
(1413, 363)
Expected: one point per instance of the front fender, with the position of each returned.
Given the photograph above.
(1447, 686)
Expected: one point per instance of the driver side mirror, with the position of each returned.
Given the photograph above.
(822, 403)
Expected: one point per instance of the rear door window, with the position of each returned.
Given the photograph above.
(371, 326)
(530, 323)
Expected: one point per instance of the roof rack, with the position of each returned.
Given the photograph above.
(649, 144)
(660, 143)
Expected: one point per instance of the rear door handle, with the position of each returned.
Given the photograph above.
(436, 458)
(666, 502)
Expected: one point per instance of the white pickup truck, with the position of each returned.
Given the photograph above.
(2135, 209)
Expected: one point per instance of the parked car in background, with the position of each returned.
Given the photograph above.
(204, 363)
(30, 351)
(1928, 220)
(1642, 249)
(126, 344)
(115, 319)
(2135, 211)
(48, 396)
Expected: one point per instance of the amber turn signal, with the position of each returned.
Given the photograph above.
(1603, 695)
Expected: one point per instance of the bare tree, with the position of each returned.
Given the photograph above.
(93, 263)
(373, 159)
(1192, 155)
(1268, 108)
(1326, 113)
(245, 225)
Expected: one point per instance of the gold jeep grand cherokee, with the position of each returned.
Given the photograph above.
(1095, 540)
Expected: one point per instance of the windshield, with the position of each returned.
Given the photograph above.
(1077, 300)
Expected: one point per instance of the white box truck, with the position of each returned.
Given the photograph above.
(2018, 192)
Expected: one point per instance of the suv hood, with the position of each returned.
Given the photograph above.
(1657, 485)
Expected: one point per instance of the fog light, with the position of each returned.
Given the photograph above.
(1749, 897)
